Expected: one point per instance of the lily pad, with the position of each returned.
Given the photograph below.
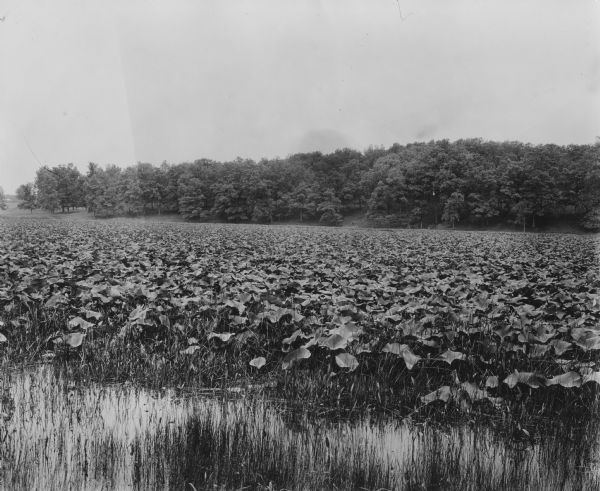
(258, 362)
(334, 342)
(442, 394)
(394, 348)
(190, 350)
(591, 377)
(295, 335)
(54, 301)
(346, 360)
(410, 359)
(531, 379)
(569, 379)
(449, 356)
(79, 322)
(473, 391)
(223, 336)
(294, 356)
(74, 339)
(560, 346)
(492, 382)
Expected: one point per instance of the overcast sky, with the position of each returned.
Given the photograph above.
(126, 81)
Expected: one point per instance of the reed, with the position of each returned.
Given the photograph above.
(64, 435)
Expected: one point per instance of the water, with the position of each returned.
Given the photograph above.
(59, 435)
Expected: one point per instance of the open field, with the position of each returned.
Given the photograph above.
(395, 320)
(80, 214)
(353, 220)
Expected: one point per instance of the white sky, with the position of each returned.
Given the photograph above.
(126, 81)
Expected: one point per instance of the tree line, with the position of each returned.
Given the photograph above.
(467, 182)
(3, 205)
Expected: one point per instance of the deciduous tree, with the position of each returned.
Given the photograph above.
(3, 204)
(26, 196)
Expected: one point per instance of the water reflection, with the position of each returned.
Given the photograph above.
(60, 436)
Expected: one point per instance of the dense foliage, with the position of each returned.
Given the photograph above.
(26, 194)
(467, 182)
(436, 316)
(2, 199)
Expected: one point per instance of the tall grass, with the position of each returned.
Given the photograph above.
(59, 434)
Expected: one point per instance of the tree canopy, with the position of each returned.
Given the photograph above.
(467, 182)
(26, 196)
(3, 205)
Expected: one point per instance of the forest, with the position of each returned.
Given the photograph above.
(473, 183)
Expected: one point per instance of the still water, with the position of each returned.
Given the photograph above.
(59, 435)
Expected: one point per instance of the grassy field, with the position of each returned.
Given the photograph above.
(411, 322)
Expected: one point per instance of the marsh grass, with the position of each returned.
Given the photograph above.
(195, 282)
(382, 383)
(59, 434)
